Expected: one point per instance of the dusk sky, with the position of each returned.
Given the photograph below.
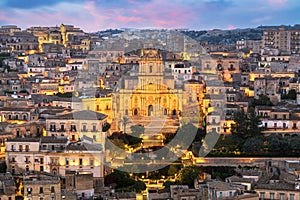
(94, 15)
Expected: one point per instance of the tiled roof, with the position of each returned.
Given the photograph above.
(81, 146)
(83, 115)
(52, 139)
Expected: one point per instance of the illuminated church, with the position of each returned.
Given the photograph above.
(147, 90)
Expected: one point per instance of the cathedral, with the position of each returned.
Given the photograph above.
(148, 90)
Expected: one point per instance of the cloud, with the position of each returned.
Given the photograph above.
(277, 2)
(30, 4)
(261, 20)
(92, 15)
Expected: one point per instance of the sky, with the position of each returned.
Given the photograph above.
(94, 15)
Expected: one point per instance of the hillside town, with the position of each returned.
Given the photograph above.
(149, 114)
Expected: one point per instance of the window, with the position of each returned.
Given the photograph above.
(73, 127)
(20, 148)
(27, 148)
(52, 189)
(29, 190)
(62, 127)
(67, 161)
(80, 161)
(94, 128)
(150, 69)
(220, 194)
(271, 196)
(281, 196)
(294, 125)
(84, 127)
(52, 127)
(292, 197)
(230, 194)
(41, 190)
(262, 196)
(92, 162)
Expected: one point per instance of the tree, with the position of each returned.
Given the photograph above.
(246, 124)
(292, 95)
(106, 127)
(123, 182)
(295, 145)
(173, 169)
(139, 186)
(278, 145)
(137, 130)
(263, 100)
(253, 145)
(124, 121)
(188, 175)
(229, 143)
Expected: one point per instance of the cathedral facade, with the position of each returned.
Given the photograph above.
(148, 91)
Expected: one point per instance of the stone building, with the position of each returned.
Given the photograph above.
(77, 124)
(41, 186)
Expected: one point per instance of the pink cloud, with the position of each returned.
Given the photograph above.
(129, 19)
(230, 27)
(4, 17)
(277, 3)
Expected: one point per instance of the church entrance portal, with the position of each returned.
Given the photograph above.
(150, 110)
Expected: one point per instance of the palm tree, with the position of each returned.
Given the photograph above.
(124, 121)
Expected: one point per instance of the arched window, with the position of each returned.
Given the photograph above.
(150, 69)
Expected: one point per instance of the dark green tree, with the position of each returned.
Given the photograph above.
(277, 145)
(253, 146)
(188, 175)
(292, 95)
(246, 124)
(263, 100)
(295, 145)
(106, 127)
